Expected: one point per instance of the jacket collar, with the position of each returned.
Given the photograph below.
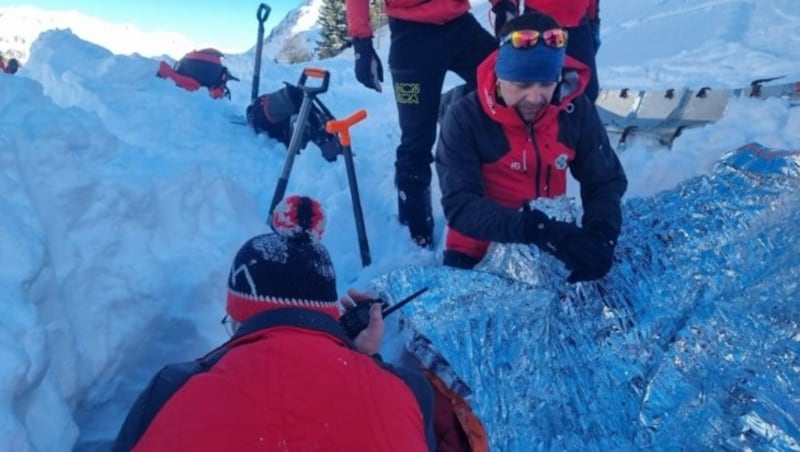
(292, 317)
(575, 76)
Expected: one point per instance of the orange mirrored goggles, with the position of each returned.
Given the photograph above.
(525, 39)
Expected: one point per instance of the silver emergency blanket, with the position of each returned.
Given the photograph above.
(692, 342)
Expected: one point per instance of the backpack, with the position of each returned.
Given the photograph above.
(200, 68)
(10, 67)
(276, 114)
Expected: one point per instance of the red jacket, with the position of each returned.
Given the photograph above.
(490, 162)
(423, 11)
(281, 384)
(568, 13)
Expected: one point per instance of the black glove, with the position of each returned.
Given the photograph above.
(592, 253)
(551, 235)
(504, 10)
(369, 70)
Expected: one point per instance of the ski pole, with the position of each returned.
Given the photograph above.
(309, 93)
(261, 14)
(342, 129)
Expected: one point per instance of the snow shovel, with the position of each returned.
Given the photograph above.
(309, 94)
(261, 14)
(342, 130)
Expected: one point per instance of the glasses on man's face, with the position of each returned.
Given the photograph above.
(227, 323)
(525, 39)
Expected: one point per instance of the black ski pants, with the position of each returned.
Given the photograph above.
(420, 56)
(580, 45)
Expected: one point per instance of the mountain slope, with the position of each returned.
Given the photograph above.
(20, 26)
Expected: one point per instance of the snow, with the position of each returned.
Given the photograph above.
(21, 25)
(125, 198)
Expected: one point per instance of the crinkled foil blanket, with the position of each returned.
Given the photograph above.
(691, 342)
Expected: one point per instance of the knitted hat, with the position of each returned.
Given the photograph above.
(288, 268)
(539, 63)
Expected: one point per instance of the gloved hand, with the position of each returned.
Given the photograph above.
(588, 253)
(592, 253)
(504, 10)
(594, 26)
(551, 235)
(369, 70)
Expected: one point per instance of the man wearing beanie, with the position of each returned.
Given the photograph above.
(289, 378)
(581, 19)
(513, 140)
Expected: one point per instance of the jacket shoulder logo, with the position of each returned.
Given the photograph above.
(561, 161)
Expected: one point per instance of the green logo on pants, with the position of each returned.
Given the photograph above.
(406, 93)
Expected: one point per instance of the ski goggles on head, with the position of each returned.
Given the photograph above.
(525, 39)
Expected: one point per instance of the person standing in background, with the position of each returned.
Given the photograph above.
(428, 39)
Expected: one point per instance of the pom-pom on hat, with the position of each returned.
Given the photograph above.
(539, 63)
(299, 216)
(288, 268)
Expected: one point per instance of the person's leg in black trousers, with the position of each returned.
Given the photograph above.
(580, 45)
(470, 44)
(419, 58)
(417, 63)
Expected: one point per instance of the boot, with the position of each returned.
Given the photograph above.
(414, 211)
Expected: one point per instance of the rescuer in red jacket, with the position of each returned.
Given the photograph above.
(513, 141)
(289, 378)
(428, 39)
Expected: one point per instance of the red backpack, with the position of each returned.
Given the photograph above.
(197, 69)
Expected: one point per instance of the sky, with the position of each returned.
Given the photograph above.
(232, 27)
(125, 199)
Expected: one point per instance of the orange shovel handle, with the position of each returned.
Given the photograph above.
(342, 126)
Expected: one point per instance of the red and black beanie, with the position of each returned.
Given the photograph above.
(288, 268)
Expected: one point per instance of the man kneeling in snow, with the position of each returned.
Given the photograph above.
(289, 378)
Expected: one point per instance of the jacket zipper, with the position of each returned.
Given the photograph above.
(538, 179)
(547, 181)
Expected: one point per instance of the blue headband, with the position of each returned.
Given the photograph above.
(539, 63)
